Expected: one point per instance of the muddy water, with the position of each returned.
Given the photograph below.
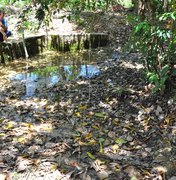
(51, 68)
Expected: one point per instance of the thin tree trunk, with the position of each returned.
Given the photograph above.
(24, 46)
(165, 5)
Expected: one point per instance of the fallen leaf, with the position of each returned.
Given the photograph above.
(36, 162)
(103, 174)
(54, 167)
(100, 115)
(75, 164)
(82, 108)
(2, 134)
(81, 143)
(120, 141)
(90, 155)
(95, 127)
(21, 139)
(88, 136)
(9, 125)
(22, 165)
(92, 142)
(78, 114)
(167, 120)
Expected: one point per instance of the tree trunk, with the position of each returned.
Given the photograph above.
(165, 5)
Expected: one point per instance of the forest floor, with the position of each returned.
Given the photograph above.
(106, 127)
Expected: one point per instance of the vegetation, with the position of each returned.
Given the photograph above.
(155, 36)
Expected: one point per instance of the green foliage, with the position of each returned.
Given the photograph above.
(94, 5)
(46, 71)
(45, 8)
(155, 38)
(159, 79)
(125, 3)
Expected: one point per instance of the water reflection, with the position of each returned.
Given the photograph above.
(49, 76)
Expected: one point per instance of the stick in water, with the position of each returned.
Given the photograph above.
(25, 49)
(24, 45)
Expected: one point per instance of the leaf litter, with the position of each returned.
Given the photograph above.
(92, 131)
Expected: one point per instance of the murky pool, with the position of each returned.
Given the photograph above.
(51, 75)
(52, 69)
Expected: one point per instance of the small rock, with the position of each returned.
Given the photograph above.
(129, 138)
(141, 117)
(148, 149)
(21, 166)
(111, 134)
(158, 111)
(109, 80)
(138, 147)
(170, 102)
(133, 172)
(161, 117)
(103, 174)
(141, 112)
(144, 154)
(50, 145)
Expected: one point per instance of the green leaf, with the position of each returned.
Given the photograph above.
(101, 148)
(164, 70)
(173, 16)
(153, 78)
(142, 26)
(164, 16)
(149, 74)
(101, 140)
(101, 115)
(120, 141)
(90, 155)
